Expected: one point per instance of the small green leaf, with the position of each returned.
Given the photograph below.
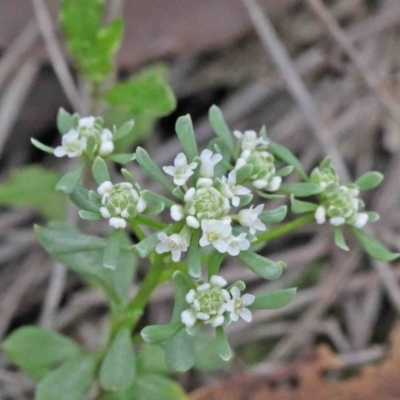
(285, 171)
(243, 173)
(118, 369)
(301, 207)
(100, 171)
(65, 121)
(36, 350)
(85, 201)
(144, 160)
(33, 186)
(155, 198)
(68, 382)
(206, 354)
(300, 189)
(122, 158)
(220, 127)
(288, 157)
(124, 130)
(41, 146)
(68, 183)
(111, 251)
(160, 333)
(151, 359)
(339, 239)
(185, 132)
(223, 348)
(246, 199)
(369, 181)
(156, 387)
(260, 265)
(90, 216)
(273, 216)
(273, 300)
(373, 247)
(214, 263)
(372, 216)
(194, 256)
(179, 352)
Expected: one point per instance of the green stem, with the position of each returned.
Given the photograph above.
(284, 229)
(142, 220)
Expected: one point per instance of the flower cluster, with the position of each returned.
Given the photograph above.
(120, 202)
(212, 304)
(338, 202)
(88, 136)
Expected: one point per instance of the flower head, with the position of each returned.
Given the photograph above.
(237, 305)
(236, 244)
(232, 191)
(120, 202)
(72, 145)
(249, 218)
(181, 171)
(215, 232)
(175, 243)
(249, 140)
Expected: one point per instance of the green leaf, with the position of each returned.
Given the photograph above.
(273, 216)
(33, 186)
(68, 183)
(145, 93)
(206, 354)
(36, 350)
(68, 382)
(151, 359)
(85, 201)
(144, 160)
(122, 158)
(285, 171)
(372, 216)
(90, 216)
(155, 198)
(65, 121)
(243, 173)
(118, 369)
(159, 333)
(373, 247)
(273, 300)
(260, 265)
(111, 251)
(220, 127)
(223, 348)
(92, 45)
(194, 256)
(214, 263)
(300, 189)
(301, 207)
(41, 146)
(339, 239)
(124, 130)
(179, 352)
(185, 132)
(156, 387)
(369, 180)
(288, 157)
(100, 171)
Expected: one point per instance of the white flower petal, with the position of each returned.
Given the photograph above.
(246, 314)
(235, 292)
(362, 219)
(248, 299)
(233, 316)
(217, 280)
(192, 222)
(105, 187)
(177, 213)
(188, 318)
(117, 222)
(60, 151)
(320, 215)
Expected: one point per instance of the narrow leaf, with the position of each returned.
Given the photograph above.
(124, 130)
(194, 257)
(84, 200)
(285, 171)
(68, 183)
(273, 216)
(339, 239)
(122, 158)
(374, 248)
(301, 207)
(215, 262)
(300, 189)
(90, 216)
(155, 198)
(100, 171)
(243, 173)
(220, 127)
(179, 352)
(159, 333)
(185, 132)
(273, 300)
(260, 265)
(41, 146)
(65, 121)
(223, 348)
(369, 180)
(111, 251)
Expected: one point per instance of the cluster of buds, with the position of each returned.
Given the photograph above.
(338, 202)
(212, 304)
(88, 137)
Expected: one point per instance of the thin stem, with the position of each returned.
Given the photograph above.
(284, 229)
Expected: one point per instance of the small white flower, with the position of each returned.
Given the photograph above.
(215, 232)
(208, 162)
(231, 190)
(337, 221)
(105, 187)
(236, 244)
(237, 305)
(117, 222)
(188, 317)
(72, 145)
(274, 184)
(177, 212)
(175, 243)
(361, 220)
(181, 171)
(250, 140)
(86, 122)
(106, 143)
(320, 215)
(249, 218)
(193, 222)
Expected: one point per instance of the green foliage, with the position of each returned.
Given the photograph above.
(92, 45)
(100, 171)
(185, 132)
(273, 216)
(369, 180)
(220, 127)
(300, 189)
(68, 183)
(273, 300)
(160, 333)
(33, 186)
(260, 265)
(223, 348)
(36, 351)
(339, 239)
(156, 387)
(300, 207)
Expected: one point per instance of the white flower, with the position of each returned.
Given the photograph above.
(320, 215)
(86, 122)
(236, 244)
(193, 222)
(249, 218)
(105, 187)
(250, 140)
(337, 221)
(117, 223)
(237, 305)
(177, 212)
(106, 143)
(215, 232)
(231, 190)
(361, 220)
(181, 171)
(175, 243)
(208, 161)
(72, 145)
